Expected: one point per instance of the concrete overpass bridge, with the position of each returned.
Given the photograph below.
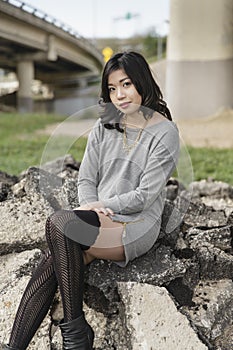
(199, 64)
(37, 46)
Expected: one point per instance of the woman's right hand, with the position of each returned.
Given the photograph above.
(90, 206)
(97, 207)
(105, 211)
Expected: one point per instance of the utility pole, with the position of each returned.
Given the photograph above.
(128, 16)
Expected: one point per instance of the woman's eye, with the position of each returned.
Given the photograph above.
(127, 83)
(111, 89)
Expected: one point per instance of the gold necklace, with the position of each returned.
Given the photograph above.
(127, 147)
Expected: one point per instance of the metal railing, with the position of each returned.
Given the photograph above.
(51, 20)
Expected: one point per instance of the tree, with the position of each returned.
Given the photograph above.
(154, 44)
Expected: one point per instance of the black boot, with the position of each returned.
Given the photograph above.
(77, 334)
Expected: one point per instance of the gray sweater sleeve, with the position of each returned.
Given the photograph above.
(161, 163)
(88, 172)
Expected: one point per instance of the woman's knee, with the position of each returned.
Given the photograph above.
(56, 222)
(84, 229)
(79, 225)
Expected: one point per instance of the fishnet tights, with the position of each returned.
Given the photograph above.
(62, 265)
(68, 263)
(34, 304)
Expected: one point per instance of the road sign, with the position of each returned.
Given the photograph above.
(107, 53)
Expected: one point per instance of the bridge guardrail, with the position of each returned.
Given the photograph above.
(51, 20)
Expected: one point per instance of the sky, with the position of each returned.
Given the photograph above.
(106, 18)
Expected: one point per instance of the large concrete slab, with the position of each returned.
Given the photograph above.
(153, 320)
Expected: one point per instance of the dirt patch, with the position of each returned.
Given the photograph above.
(69, 128)
(213, 131)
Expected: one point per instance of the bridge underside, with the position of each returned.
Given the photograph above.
(9, 51)
(36, 49)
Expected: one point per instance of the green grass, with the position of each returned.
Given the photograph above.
(212, 162)
(21, 147)
(15, 124)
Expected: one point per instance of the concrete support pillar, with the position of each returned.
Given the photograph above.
(25, 72)
(83, 83)
(199, 79)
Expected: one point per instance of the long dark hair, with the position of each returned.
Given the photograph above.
(138, 70)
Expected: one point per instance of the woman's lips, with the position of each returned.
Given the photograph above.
(124, 105)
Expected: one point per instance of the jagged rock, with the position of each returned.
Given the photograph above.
(225, 340)
(42, 182)
(18, 188)
(66, 168)
(62, 166)
(173, 187)
(4, 190)
(153, 320)
(170, 225)
(22, 223)
(15, 274)
(35, 197)
(70, 191)
(210, 188)
(213, 249)
(195, 243)
(59, 192)
(214, 263)
(219, 237)
(225, 204)
(230, 221)
(196, 213)
(8, 179)
(158, 267)
(212, 309)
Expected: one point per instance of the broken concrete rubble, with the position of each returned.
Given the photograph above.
(154, 321)
(186, 275)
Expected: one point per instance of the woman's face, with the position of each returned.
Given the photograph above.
(123, 93)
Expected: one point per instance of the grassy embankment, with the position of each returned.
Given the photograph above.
(21, 147)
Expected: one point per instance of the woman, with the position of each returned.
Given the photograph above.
(131, 152)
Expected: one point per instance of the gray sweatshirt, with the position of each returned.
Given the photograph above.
(132, 185)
